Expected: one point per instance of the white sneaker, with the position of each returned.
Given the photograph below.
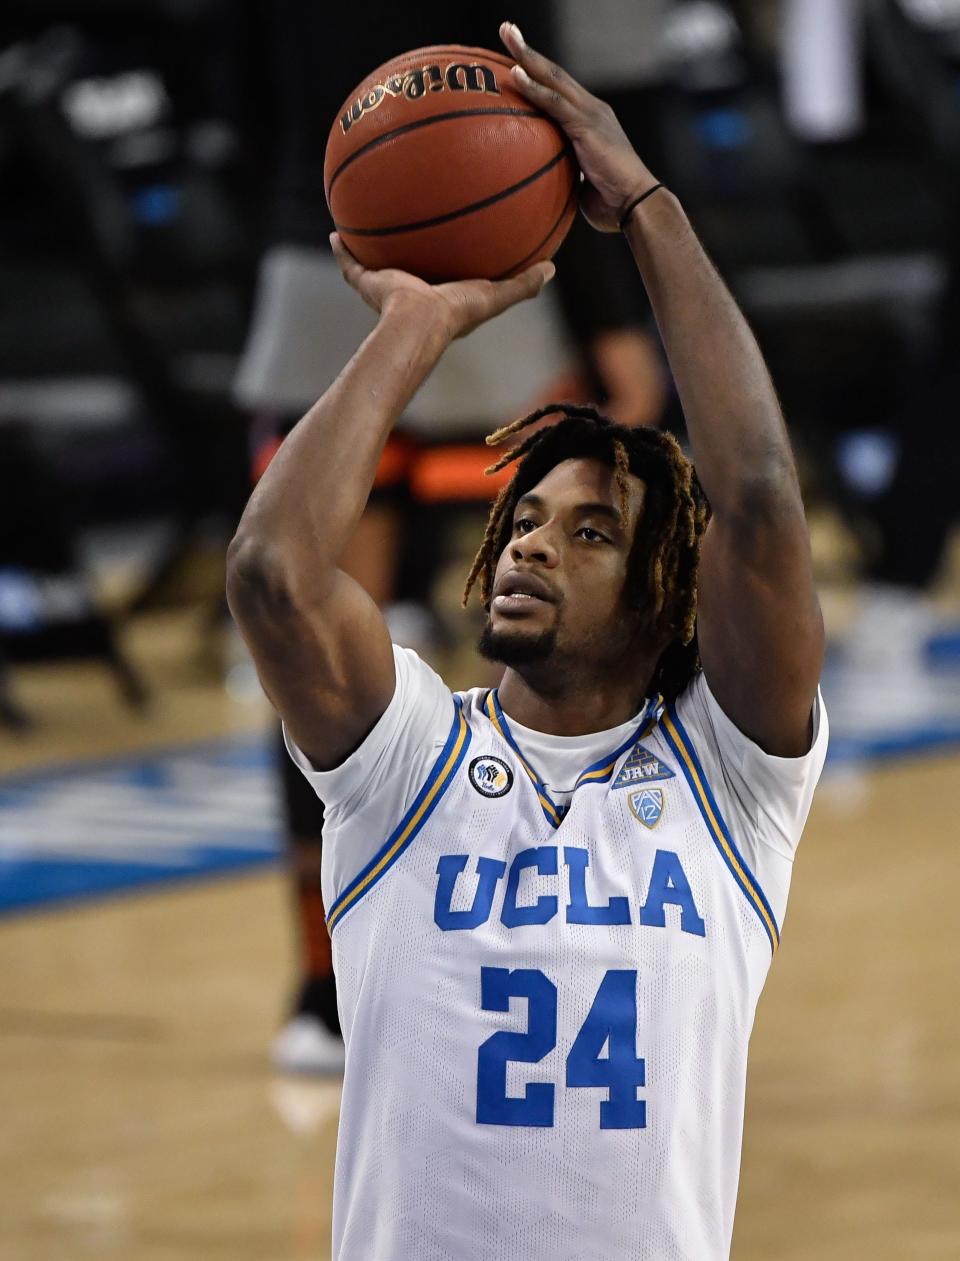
(306, 1045)
(305, 1104)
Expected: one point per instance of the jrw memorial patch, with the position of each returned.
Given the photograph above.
(641, 767)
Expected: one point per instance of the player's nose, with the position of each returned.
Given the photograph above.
(537, 547)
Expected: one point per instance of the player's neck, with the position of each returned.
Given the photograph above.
(576, 709)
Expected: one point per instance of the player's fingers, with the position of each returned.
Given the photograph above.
(550, 102)
(518, 288)
(541, 79)
(351, 270)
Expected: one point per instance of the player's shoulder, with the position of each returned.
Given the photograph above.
(400, 744)
(764, 797)
(423, 695)
(475, 703)
(697, 716)
(689, 719)
(415, 673)
(422, 702)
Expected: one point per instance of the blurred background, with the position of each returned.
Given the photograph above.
(168, 308)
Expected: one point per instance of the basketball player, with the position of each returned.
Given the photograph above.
(553, 905)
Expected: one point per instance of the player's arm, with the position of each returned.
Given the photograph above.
(319, 642)
(760, 629)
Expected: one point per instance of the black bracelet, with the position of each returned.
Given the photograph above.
(634, 204)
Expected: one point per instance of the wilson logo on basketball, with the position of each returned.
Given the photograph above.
(457, 77)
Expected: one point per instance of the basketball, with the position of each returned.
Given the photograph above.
(438, 166)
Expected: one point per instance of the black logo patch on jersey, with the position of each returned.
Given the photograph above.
(490, 776)
(641, 767)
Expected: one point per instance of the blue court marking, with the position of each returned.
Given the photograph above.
(79, 831)
(99, 828)
(844, 749)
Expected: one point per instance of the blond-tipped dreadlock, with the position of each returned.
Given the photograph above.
(662, 573)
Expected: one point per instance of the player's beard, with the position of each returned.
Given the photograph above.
(513, 647)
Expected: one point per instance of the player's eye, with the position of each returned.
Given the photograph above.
(523, 525)
(591, 535)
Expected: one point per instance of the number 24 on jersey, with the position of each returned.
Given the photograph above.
(611, 1022)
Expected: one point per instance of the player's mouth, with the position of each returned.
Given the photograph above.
(518, 593)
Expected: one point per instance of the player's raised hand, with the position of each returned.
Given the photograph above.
(615, 174)
(460, 306)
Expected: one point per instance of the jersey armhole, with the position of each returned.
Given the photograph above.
(682, 748)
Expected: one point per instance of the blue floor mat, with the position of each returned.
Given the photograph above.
(102, 828)
(93, 829)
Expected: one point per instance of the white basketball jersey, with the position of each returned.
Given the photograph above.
(546, 1012)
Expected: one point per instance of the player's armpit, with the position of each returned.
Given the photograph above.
(325, 662)
(760, 628)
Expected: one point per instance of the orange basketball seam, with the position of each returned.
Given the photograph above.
(537, 248)
(463, 210)
(414, 126)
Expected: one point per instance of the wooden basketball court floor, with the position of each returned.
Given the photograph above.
(139, 1119)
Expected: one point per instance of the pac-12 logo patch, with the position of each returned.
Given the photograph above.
(646, 805)
(491, 777)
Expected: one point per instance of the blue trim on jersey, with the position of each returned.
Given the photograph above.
(426, 801)
(680, 743)
(551, 811)
(599, 772)
(602, 770)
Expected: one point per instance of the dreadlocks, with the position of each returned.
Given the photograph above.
(662, 569)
